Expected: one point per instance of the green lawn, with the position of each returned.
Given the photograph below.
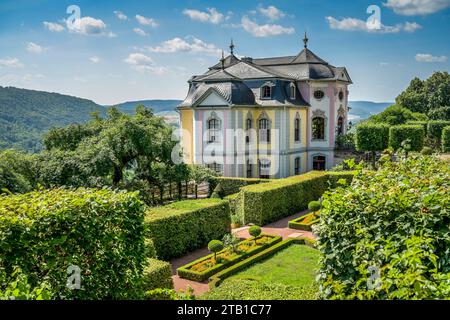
(288, 275)
(294, 266)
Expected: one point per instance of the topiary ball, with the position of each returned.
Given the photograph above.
(426, 151)
(314, 205)
(215, 246)
(254, 231)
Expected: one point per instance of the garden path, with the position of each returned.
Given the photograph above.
(276, 228)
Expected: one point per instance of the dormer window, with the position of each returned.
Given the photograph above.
(266, 92)
(292, 91)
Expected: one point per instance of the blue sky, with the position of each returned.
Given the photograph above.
(116, 51)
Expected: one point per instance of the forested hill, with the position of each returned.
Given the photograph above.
(26, 114)
(158, 106)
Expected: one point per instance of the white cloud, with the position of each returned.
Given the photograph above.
(140, 32)
(146, 21)
(271, 12)
(145, 64)
(88, 26)
(120, 15)
(11, 63)
(94, 59)
(265, 30)
(181, 45)
(211, 15)
(426, 57)
(53, 27)
(35, 48)
(417, 7)
(353, 24)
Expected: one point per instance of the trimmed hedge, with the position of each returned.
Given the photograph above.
(186, 273)
(371, 137)
(217, 279)
(435, 129)
(446, 139)
(185, 226)
(424, 124)
(231, 185)
(398, 134)
(267, 202)
(157, 275)
(99, 231)
(299, 223)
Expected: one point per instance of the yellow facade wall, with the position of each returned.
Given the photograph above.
(187, 126)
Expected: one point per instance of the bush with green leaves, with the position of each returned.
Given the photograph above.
(254, 231)
(185, 226)
(392, 223)
(215, 246)
(426, 151)
(435, 129)
(17, 287)
(413, 133)
(99, 231)
(314, 205)
(157, 274)
(446, 139)
(371, 137)
(267, 202)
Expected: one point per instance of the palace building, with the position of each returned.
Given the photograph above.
(265, 117)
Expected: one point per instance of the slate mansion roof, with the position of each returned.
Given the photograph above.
(238, 81)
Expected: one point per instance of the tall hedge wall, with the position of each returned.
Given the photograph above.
(398, 134)
(435, 129)
(157, 274)
(446, 139)
(184, 226)
(371, 137)
(231, 185)
(99, 231)
(268, 202)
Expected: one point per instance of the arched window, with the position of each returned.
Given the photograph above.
(264, 130)
(318, 128)
(340, 126)
(248, 127)
(213, 130)
(319, 163)
(297, 166)
(266, 92)
(297, 129)
(292, 91)
(264, 169)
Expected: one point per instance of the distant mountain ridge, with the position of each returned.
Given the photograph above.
(25, 115)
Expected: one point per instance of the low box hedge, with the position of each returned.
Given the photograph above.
(300, 223)
(186, 271)
(98, 232)
(216, 279)
(267, 202)
(185, 226)
(157, 275)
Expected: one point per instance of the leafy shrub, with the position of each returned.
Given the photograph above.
(404, 237)
(16, 287)
(442, 113)
(371, 137)
(426, 151)
(161, 294)
(268, 202)
(414, 133)
(238, 289)
(185, 226)
(254, 231)
(314, 205)
(435, 129)
(424, 125)
(215, 246)
(157, 274)
(446, 139)
(100, 231)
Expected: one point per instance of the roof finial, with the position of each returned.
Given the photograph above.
(222, 60)
(232, 46)
(305, 40)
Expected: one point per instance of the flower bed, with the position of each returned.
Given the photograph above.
(305, 222)
(205, 267)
